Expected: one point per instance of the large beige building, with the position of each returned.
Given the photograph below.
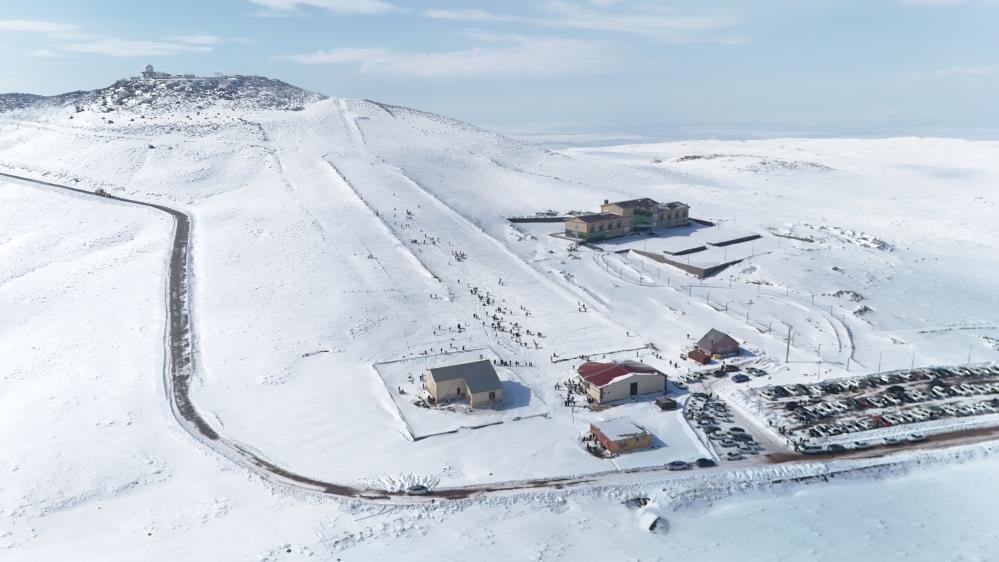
(624, 217)
(608, 382)
(597, 227)
(476, 380)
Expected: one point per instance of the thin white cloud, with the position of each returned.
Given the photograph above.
(645, 19)
(951, 71)
(505, 56)
(45, 54)
(35, 26)
(62, 38)
(345, 7)
(203, 39)
(115, 47)
(930, 2)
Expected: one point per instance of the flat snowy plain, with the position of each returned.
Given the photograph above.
(308, 270)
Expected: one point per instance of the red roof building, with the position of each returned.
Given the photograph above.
(617, 380)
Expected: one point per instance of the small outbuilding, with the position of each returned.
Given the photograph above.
(620, 434)
(700, 357)
(617, 380)
(718, 343)
(476, 380)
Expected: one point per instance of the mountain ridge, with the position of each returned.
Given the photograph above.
(237, 91)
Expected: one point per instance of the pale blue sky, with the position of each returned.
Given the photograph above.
(663, 69)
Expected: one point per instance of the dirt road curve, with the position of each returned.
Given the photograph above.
(179, 368)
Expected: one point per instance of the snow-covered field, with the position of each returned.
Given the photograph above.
(347, 234)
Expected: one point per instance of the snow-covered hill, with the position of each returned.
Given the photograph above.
(148, 95)
(348, 233)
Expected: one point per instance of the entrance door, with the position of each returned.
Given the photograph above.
(634, 388)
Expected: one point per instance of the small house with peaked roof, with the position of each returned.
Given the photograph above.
(476, 380)
(718, 343)
(617, 380)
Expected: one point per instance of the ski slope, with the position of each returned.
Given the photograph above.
(304, 274)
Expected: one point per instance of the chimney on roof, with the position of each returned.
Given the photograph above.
(606, 201)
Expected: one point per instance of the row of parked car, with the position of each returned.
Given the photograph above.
(813, 449)
(815, 410)
(724, 371)
(872, 381)
(715, 419)
(904, 416)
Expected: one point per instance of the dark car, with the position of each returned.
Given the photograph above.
(836, 448)
(706, 463)
(740, 378)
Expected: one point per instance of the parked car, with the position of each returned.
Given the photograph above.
(417, 490)
(734, 456)
(836, 448)
(666, 403)
(740, 378)
(678, 465)
(916, 438)
(705, 463)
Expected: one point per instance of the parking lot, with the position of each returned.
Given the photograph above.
(822, 417)
(716, 422)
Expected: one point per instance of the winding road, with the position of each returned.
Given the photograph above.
(179, 369)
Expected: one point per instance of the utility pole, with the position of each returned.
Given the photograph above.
(848, 364)
(879, 362)
(787, 353)
(912, 365)
(969, 354)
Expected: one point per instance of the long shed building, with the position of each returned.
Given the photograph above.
(617, 380)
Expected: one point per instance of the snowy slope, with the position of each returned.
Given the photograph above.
(308, 270)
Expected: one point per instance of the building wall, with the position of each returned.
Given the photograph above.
(621, 388)
(723, 351)
(445, 389)
(616, 210)
(627, 444)
(610, 228)
(482, 399)
(670, 218)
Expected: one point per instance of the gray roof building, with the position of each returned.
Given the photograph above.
(717, 342)
(479, 376)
